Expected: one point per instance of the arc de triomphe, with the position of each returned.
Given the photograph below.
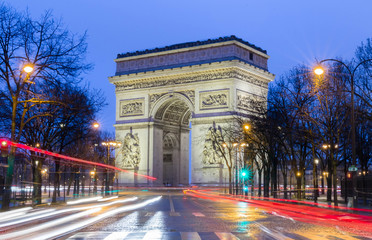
(163, 93)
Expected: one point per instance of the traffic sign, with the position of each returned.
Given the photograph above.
(353, 168)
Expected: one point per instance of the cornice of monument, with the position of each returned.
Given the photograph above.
(192, 46)
(205, 72)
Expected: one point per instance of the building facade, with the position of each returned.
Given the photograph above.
(167, 98)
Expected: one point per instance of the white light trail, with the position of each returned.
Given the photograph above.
(83, 200)
(80, 224)
(29, 217)
(49, 224)
(14, 213)
(106, 199)
(40, 215)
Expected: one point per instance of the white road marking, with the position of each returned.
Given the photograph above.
(116, 235)
(154, 234)
(198, 214)
(226, 236)
(190, 236)
(171, 204)
(172, 213)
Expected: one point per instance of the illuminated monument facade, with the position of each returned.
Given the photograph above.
(167, 98)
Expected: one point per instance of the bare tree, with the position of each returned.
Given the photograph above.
(55, 56)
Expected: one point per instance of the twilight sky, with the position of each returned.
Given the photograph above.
(292, 31)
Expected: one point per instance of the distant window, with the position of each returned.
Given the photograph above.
(251, 56)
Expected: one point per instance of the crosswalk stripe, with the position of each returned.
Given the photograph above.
(226, 236)
(190, 236)
(116, 235)
(153, 234)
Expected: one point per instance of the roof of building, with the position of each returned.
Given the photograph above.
(191, 44)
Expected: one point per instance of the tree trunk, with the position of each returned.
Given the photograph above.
(8, 180)
(329, 187)
(335, 185)
(299, 185)
(37, 183)
(230, 181)
(266, 181)
(259, 183)
(57, 177)
(285, 186)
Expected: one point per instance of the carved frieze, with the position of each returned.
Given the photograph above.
(132, 107)
(214, 99)
(195, 77)
(130, 151)
(211, 155)
(244, 100)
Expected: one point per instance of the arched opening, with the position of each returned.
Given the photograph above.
(172, 120)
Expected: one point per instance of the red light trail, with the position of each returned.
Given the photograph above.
(23, 146)
(351, 222)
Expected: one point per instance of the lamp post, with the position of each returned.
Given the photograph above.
(16, 94)
(92, 173)
(236, 167)
(320, 71)
(315, 177)
(109, 144)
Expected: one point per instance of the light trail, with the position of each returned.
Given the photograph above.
(14, 213)
(57, 155)
(83, 200)
(49, 224)
(80, 224)
(21, 218)
(106, 199)
(303, 213)
(45, 215)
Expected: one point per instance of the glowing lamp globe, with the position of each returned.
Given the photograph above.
(318, 71)
(28, 69)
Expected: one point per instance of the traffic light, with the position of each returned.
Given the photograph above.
(244, 173)
(4, 148)
(245, 188)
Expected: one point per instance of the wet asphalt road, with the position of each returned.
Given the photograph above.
(179, 216)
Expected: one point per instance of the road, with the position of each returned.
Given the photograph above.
(176, 215)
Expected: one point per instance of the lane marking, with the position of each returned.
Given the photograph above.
(226, 236)
(198, 214)
(190, 236)
(171, 204)
(173, 213)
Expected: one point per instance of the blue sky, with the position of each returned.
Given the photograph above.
(292, 31)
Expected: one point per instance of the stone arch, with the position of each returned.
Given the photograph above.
(171, 115)
(169, 100)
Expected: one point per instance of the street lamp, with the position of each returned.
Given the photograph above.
(109, 144)
(92, 173)
(96, 125)
(319, 71)
(28, 69)
(315, 177)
